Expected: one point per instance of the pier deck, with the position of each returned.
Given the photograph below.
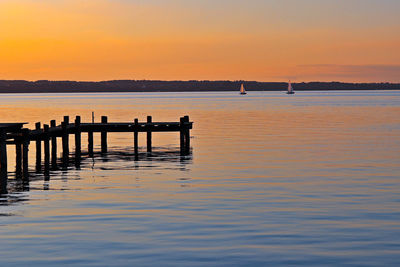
(15, 134)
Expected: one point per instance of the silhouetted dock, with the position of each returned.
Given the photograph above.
(15, 134)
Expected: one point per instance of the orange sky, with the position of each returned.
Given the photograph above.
(265, 40)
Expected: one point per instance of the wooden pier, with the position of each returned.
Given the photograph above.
(15, 134)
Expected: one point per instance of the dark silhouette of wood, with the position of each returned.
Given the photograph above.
(25, 153)
(187, 135)
(65, 140)
(90, 143)
(53, 146)
(149, 135)
(182, 135)
(104, 120)
(18, 157)
(3, 161)
(136, 139)
(12, 133)
(77, 139)
(38, 149)
(46, 140)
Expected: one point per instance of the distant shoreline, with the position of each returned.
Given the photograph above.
(20, 86)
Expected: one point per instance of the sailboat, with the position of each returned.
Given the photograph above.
(290, 90)
(242, 90)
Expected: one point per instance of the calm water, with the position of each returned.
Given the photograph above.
(309, 179)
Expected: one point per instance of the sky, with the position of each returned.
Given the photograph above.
(263, 40)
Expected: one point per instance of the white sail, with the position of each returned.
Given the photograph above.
(290, 88)
(242, 90)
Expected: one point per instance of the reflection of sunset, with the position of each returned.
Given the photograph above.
(268, 175)
(268, 41)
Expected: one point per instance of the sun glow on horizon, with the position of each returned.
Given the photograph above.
(237, 40)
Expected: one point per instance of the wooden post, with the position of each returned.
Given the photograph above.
(65, 140)
(90, 139)
(182, 135)
(53, 147)
(38, 149)
(149, 148)
(104, 136)
(18, 157)
(46, 141)
(135, 139)
(25, 153)
(187, 135)
(3, 162)
(77, 138)
(90, 143)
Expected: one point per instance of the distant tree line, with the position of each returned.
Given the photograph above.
(44, 86)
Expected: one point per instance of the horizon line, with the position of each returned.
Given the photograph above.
(194, 80)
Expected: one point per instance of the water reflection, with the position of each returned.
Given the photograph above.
(117, 158)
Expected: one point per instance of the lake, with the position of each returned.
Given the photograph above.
(311, 179)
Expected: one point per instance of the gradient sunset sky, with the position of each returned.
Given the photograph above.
(264, 40)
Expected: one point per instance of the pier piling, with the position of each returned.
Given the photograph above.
(18, 157)
(25, 153)
(65, 139)
(104, 120)
(77, 138)
(38, 149)
(46, 140)
(3, 152)
(136, 138)
(13, 133)
(187, 136)
(53, 146)
(149, 141)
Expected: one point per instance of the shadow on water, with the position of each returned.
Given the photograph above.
(14, 185)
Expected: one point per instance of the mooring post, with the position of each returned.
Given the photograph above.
(149, 120)
(3, 160)
(46, 141)
(38, 149)
(25, 153)
(104, 120)
(18, 157)
(187, 135)
(53, 146)
(65, 139)
(90, 143)
(78, 138)
(135, 138)
(182, 135)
